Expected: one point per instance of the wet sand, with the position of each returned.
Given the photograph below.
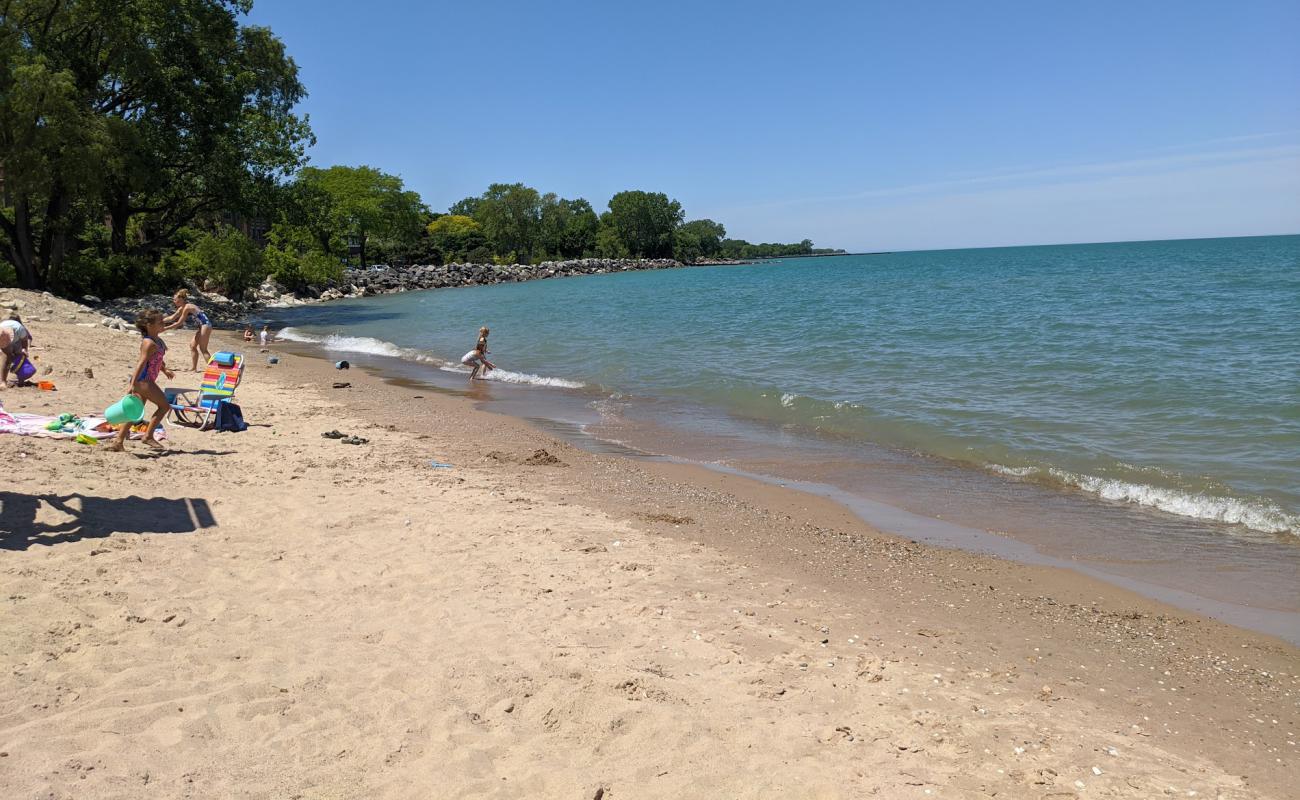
(275, 614)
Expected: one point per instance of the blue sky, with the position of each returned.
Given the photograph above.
(867, 125)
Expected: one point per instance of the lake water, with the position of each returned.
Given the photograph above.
(1134, 406)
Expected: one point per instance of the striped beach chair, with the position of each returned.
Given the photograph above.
(198, 407)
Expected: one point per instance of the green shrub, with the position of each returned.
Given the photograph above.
(227, 258)
(294, 270)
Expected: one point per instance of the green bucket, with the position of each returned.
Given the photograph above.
(128, 409)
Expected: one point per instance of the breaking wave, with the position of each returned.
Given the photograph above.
(1256, 514)
(357, 344)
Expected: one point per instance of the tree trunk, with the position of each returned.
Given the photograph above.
(24, 255)
(54, 237)
(119, 212)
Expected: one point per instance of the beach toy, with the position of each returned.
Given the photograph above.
(128, 409)
(341, 365)
(25, 369)
(273, 359)
(84, 439)
(58, 424)
(45, 386)
(440, 465)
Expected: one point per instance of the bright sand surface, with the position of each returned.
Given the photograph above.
(275, 614)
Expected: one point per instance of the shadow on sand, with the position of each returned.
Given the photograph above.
(77, 516)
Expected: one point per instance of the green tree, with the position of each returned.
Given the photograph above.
(645, 222)
(511, 215)
(162, 110)
(568, 227)
(455, 236)
(464, 208)
(361, 204)
(608, 243)
(293, 257)
(698, 239)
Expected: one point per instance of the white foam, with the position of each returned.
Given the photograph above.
(356, 344)
(506, 376)
(1260, 515)
(787, 400)
(1015, 472)
(379, 347)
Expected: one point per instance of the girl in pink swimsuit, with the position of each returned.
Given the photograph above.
(144, 379)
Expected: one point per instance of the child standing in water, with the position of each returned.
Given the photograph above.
(144, 380)
(184, 311)
(477, 358)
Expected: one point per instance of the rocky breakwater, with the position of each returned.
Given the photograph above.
(389, 280)
(120, 312)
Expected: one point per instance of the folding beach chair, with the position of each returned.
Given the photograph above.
(198, 407)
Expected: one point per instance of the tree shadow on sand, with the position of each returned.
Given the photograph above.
(79, 516)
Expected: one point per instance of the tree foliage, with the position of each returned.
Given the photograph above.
(645, 222)
(697, 240)
(150, 113)
(456, 237)
(225, 257)
(739, 249)
(568, 227)
(511, 216)
(358, 204)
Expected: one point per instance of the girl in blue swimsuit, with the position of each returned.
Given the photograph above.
(185, 310)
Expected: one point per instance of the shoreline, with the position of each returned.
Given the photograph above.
(705, 617)
(933, 533)
(1205, 589)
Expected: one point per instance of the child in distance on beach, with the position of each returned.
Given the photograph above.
(265, 335)
(144, 380)
(477, 358)
(248, 333)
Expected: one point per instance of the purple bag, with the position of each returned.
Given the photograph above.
(25, 369)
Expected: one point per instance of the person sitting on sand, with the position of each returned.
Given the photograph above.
(248, 333)
(186, 310)
(14, 341)
(144, 380)
(477, 358)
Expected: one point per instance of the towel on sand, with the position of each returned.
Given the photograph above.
(94, 426)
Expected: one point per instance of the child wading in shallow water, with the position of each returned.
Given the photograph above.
(477, 358)
(144, 381)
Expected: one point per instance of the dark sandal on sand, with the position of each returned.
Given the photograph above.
(334, 435)
(355, 440)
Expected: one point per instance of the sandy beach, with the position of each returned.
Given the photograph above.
(274, 614)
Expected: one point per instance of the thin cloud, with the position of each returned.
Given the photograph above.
(1059, 174)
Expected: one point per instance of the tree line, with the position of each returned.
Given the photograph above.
(145, 142)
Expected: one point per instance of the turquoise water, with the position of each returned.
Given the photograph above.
(1163, 375)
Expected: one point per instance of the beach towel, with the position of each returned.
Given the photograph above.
(92, 425)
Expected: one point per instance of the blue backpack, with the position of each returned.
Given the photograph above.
(230, 418)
